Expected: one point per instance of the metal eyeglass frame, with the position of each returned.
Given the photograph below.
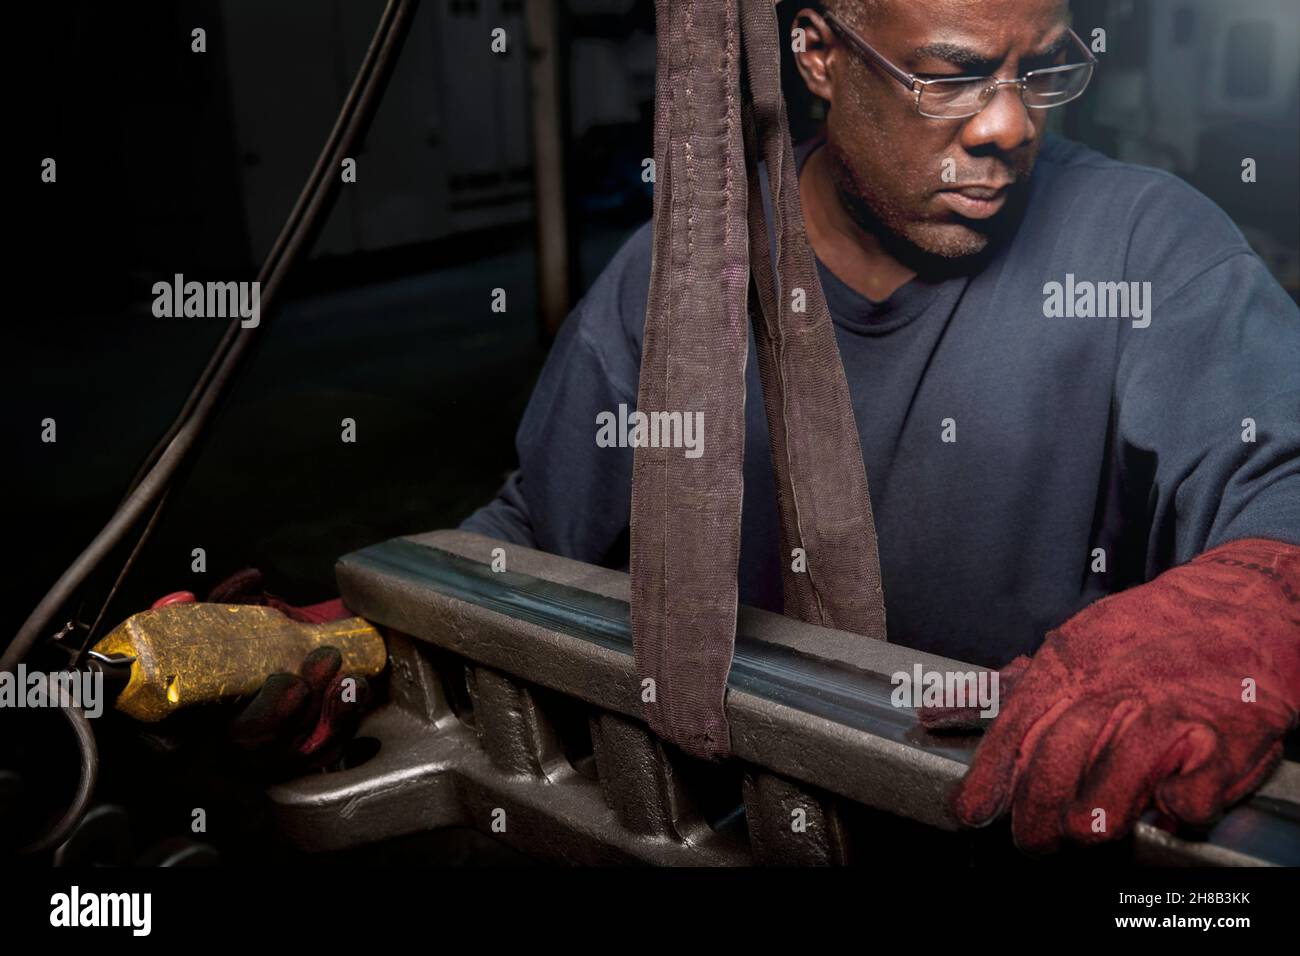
(917, 86)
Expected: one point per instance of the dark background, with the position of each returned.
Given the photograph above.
(171, 161)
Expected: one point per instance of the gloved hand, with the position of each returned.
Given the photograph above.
(944, 720)
(246, 587)
(302, 721)
(295, 722)
(1180, 690)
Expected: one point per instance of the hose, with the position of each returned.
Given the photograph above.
(176, 444)
(152, 481)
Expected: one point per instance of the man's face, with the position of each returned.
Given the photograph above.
(888, 161)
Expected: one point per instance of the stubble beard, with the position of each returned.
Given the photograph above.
(923, 245)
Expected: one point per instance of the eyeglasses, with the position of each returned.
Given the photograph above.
(960, 97)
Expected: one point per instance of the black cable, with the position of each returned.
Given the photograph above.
(315, 200)
(281, 240)
(85, 785)
(151, 482)
(93, 632)
(291, 225)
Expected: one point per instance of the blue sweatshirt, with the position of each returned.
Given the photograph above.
(1027, 450)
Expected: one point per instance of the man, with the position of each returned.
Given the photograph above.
(1070, 376)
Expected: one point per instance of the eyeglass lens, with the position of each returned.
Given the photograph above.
(1042, 90)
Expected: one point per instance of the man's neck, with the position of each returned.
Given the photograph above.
(854, 255)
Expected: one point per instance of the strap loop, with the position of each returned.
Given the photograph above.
(718, 111)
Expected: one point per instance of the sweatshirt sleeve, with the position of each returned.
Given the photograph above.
(569, 496)
(1207, 403)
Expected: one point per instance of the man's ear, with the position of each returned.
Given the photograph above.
(814, 44)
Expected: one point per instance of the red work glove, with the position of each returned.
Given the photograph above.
(245, 587)
(946, 720)
(1145, 695)
(297, 721)
(302, 721)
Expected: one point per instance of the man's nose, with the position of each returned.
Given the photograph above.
(1004, 123)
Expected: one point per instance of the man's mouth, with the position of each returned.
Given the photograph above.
(976, 201)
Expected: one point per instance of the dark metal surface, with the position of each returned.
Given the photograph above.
(501, 771)
(812, 726)
(855, 698)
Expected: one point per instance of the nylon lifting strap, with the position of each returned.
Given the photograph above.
(718, 112)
